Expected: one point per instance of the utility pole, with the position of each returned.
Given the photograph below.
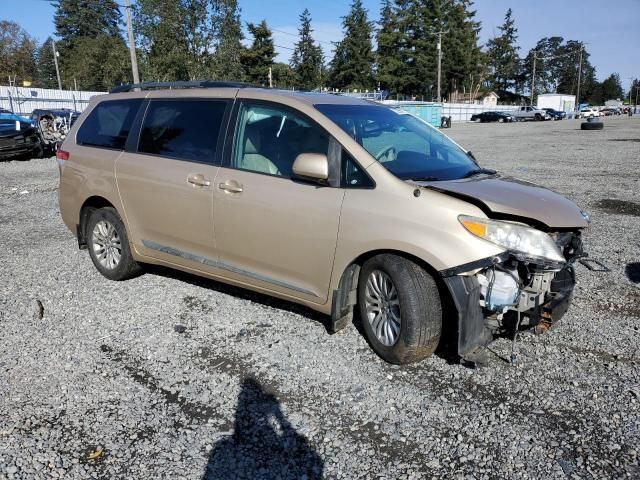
(132, 44)
(533, 79)
(630, 89)
(55, 60)
(579, 75)
(270, 77)
(439, 47)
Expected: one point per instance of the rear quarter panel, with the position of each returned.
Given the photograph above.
(89, 172)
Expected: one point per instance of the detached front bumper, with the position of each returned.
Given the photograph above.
(542, 303)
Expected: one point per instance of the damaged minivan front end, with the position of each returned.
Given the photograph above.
(530, 285)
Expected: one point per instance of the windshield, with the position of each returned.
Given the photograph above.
(405, 145)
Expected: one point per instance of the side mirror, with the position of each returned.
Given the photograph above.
(312, 166)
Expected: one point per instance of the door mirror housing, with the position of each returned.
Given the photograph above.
(312, 166)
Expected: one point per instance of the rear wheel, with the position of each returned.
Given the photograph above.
(108, 245)
(400, 308)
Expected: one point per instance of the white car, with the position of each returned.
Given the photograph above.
(589, 113)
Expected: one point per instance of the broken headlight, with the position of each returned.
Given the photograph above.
(524, 241)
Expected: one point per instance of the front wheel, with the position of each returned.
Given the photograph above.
(108, 245)
(400, 308)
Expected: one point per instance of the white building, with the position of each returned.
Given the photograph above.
(557, 101)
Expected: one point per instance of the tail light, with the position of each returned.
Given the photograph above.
(62, 155)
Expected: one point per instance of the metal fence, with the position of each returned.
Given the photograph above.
(23, 100)
(461, 112)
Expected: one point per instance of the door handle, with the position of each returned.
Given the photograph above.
(230, 186)
(198, 179)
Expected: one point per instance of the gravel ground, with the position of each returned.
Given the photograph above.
(173, 376)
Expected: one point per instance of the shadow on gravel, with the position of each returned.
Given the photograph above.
(447, 347)
(633, 272)
(264, 444)
(238, 292)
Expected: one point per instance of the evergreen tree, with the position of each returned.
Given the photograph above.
(228, 52)
(92, 50)
(568, 56)
(462, 60)
(85, 18)
(417, 47)
(407, 55)
(284, 76)
(257, 58)
(548, 66)
(45, 66)
(612, 88)
(198, 21)
(502, 53)
(307, 59)
(388, 61)
(160, 27)
(97, 64)
(17, 53)
(352, 64)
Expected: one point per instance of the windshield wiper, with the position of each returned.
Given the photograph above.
(424, 179)
(478, 171)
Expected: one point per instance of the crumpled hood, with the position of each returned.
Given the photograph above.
(508, 196)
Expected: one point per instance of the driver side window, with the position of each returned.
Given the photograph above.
(269, 139)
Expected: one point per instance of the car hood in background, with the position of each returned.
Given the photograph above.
(506, 197)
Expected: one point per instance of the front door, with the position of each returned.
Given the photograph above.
(272, 230)
(166, 185)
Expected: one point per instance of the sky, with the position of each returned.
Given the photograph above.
(611, 29)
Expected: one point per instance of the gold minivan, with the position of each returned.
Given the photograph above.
(332, 202)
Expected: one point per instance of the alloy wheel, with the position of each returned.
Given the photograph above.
(382, 307)
(106, 244)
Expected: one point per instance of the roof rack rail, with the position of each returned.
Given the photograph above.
(179, 84)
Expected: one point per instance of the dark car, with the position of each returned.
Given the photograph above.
(18, 139)
(555, 114)
(492, 117)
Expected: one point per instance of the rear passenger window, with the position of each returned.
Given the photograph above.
(183, 129)
(108, 124)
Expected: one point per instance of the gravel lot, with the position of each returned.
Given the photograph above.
(98, 382)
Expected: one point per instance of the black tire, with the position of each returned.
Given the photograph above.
(126, 267)
(538, 117)
(419, 304)
(591, 126)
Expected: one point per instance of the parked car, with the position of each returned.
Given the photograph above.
(608, 111)
(328, 201)
(492, 117)
(53, 126)
(18, 139)
(589, 113)
(530, 113)
(555, 114)
(9, 115)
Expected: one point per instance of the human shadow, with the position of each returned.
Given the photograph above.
(264, 445)
(633, 272)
